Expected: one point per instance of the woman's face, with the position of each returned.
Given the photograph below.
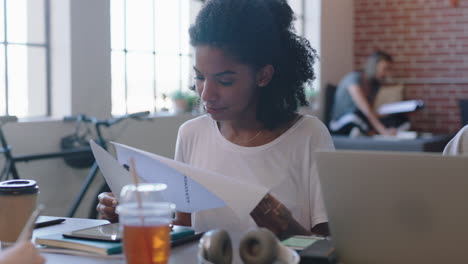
(227, 88)
(382, 69)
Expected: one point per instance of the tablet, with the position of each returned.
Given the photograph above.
(107, 232)
(300, 242)
(112, 233)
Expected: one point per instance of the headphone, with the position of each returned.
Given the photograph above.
(259, 246)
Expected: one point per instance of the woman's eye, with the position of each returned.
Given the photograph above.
(199, 78)
(226, 83)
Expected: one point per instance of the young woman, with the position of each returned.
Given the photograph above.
(458, 145)
(250, 71)
(354, 98)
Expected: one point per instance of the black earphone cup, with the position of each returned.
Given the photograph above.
(259, 246)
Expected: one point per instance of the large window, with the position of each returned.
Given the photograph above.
(24, 58)
(151, 57)
(150, 53)
(298, 8)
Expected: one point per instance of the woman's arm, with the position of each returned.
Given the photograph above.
(364, 106)
(272, 214)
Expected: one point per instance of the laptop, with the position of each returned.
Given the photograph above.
(390, 207)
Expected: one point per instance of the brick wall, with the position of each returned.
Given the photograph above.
(429, 42)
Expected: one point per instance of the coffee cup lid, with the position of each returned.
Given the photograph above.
(14, 187)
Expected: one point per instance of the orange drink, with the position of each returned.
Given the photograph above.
(145, 220)
(147, 244)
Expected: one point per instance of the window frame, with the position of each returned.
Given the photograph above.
(154, 53)
(45, 45)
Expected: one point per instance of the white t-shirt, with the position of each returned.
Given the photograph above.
(459, 144)
(286, 166)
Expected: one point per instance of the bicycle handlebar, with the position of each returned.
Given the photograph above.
(106, 122)
(76, 118)
(8, 118)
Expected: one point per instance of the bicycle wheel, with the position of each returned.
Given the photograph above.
(93, 214)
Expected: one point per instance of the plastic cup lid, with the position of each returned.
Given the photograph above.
(149, 209)
(18, 187)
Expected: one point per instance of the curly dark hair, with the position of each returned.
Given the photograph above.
(258, 33)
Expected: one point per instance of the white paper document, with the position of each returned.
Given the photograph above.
(190, 189)
(400, 107)
(116, 176)
(186, 194)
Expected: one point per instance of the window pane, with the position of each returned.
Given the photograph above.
(158, 25)
(17, 20)
(297, 7)
(37, 81)
(167, 35)
(140, 25)
(26, 21)
(185, 24)
(36, 21)
(117, 24)
(298, 25)
(186, 72)
(27, 93)
(2, 81)
(140, 82)
(17, 80)
(167, 75)
(118, 83)
(2, 22)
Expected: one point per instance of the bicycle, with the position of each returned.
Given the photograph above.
(11, 160)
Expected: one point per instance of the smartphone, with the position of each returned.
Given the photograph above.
(107, 232)
(300, 242)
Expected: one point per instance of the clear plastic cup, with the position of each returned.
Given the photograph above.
(146, 226)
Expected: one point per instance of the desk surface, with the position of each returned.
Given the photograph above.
(434, 143)
(181, 254)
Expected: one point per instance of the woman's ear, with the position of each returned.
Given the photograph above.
(264, 75)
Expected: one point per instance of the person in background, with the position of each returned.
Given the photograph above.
(459, 144)
(21, 253)
(250, 73)
(354, 98)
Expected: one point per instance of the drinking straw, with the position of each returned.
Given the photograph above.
(135, 181)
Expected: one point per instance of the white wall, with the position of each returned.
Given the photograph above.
(337, 40)
(90, 57)
(59, 183)
(329, 26)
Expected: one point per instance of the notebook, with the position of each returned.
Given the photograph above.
(179, 236)
(96, 247)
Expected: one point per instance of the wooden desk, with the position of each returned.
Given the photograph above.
(181, 254)
(434, 143)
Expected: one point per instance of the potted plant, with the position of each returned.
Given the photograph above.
(312, 97)
(183, 101)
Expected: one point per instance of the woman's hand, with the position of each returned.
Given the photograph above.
(106, 207)
(389, 132)
(272, 214)
(21, 253)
